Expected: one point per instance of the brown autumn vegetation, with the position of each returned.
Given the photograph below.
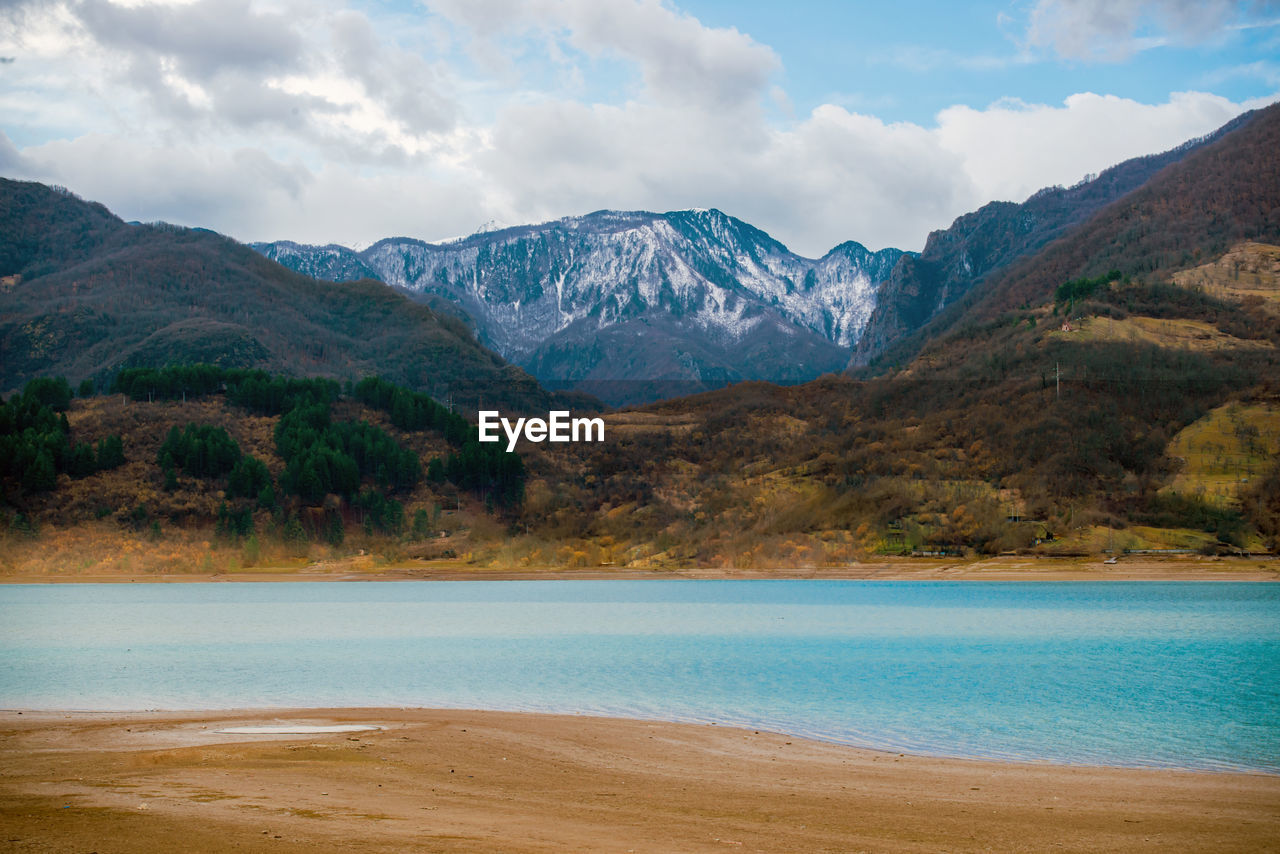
(1035, 443)
(1021, 425)
(976, 247)
(129, 519)
(1017, 437)
(1193, 211)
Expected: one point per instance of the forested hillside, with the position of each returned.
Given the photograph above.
(186, 457)
(83, 295)
(1218, 195)
(965, 261)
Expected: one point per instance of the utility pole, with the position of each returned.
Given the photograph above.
(1057, 380)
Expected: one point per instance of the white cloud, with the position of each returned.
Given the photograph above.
(405, 86)
(1111, 30)
(11, 160)
(186, 184)
(344, 126)
(1267, 72)
(248, 194)
(834, 176)
(203, 38)
(1010, 150)
(679, 58)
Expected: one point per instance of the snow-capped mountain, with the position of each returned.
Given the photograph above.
(333, 263)
(617, 301)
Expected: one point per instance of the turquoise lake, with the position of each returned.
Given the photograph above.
(1165, 674)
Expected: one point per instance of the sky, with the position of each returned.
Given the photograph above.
(343, 121)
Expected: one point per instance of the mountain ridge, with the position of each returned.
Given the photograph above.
(979, 244)
(85, 294)
(689, 300)
(692, 297)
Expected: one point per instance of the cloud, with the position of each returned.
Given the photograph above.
(11, 160)
(834, 176)
(185, 184)
(247, 193)
(403, 84)
(202, 39)
(347, 126)
(680, 59)
(1112, 30)
(1012, 149)
(287, 78)
(1267, 72)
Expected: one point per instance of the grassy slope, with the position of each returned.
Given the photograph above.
(1223, 452)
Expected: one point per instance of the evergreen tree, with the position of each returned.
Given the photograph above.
(249, 477)
(40, 475)
(110, 452)
(201, 450)
(82, 463)
(53, 392)
(335, 533)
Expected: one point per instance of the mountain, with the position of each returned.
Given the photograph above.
(332, 263)
(978, 244)
(1117, 388)
(635, 305)
(1223, 191)
(83, 294)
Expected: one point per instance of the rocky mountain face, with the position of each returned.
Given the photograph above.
(635, 305)
(332, 263)
(980, 243)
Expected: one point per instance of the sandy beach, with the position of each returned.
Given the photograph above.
(452, 781)
(1004, 568)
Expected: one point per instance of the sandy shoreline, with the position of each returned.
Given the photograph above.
(449, 781)
(1181, 568)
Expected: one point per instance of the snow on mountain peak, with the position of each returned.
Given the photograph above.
(698, 292)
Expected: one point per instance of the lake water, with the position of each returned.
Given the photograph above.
(1167, 674)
